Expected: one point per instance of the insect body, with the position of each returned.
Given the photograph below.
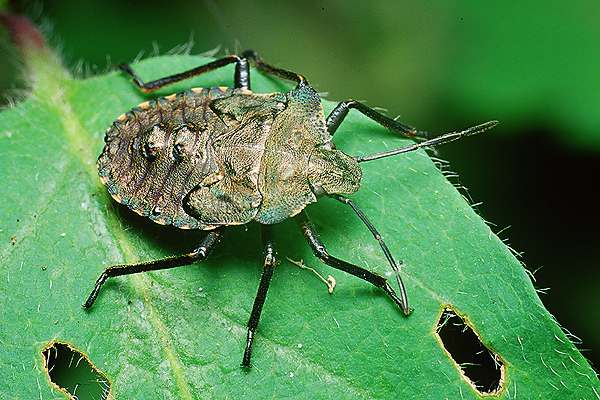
(209, 158)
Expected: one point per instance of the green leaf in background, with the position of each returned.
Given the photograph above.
(179, 334)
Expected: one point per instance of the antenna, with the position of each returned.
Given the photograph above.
(445, 138)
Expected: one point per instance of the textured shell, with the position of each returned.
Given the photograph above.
(156, 154)
(211, 157)
(191, 143)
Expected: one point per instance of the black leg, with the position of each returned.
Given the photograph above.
(320, 251)
(198, 254)
(241, 77)
(261, 295)
(388, 255)
(271, 70)
(337, 115)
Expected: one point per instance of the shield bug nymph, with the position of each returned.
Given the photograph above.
(207, 158)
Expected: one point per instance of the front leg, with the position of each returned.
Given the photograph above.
(261, 295)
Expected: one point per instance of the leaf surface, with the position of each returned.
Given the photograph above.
(179, 334)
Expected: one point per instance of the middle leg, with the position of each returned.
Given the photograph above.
(261, 295)
(321, 252)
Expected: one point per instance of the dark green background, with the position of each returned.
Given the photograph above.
(533, 65)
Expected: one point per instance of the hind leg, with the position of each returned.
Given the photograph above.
(198, 254)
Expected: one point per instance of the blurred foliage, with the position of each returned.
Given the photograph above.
(8, 68)
(533, 62)
(532, 65)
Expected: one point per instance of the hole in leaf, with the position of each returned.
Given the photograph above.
(72, 373)
(482, 368)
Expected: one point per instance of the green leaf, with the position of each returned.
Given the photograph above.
(180, 333)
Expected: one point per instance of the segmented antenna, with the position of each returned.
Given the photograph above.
(445, 138)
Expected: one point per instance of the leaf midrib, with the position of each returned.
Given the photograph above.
(80, 146)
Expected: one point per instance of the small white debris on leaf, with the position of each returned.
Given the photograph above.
(330, 282)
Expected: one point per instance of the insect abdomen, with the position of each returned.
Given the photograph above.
(158, 152)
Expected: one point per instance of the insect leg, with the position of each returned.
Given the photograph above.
(253, 56)
(320, 251)
(337, 115)
(261, 295)
(241, 76)
(388, 255)
(198, 254)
